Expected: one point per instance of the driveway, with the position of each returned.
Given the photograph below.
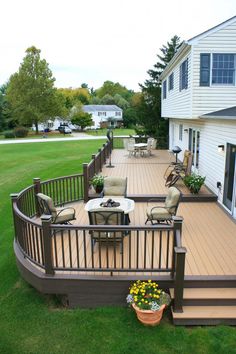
(76, 136)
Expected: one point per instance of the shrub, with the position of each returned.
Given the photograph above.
(21, 132)
(9, 135)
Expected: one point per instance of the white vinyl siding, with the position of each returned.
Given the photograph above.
(215, 97)
(211, 161)
(178, 103)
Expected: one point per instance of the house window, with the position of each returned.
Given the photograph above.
(181, 132)
(118, 114)
(164, 89)
(205, 63)
(171, 81)
(183, 75)
(223, 69)
(102, 114)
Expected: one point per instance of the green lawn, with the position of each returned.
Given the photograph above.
(116, 132)
(33, 323)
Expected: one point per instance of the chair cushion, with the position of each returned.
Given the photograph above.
(65, 214)
(172, 199)
(48, 200)
(158, 213)
(114, 186)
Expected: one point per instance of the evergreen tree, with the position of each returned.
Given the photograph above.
(150, 105)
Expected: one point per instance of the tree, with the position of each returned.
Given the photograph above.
(75, 96)
(3, 104)
(107, 99)
(81, 118)
(31, 93)
(150, 103)
(112, 89)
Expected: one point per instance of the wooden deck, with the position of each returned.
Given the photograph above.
(209, 235)
(145, 174)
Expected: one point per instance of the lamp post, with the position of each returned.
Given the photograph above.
(110, 138)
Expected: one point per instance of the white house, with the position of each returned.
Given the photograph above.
(102, 115)
(199, 99)
(105, 115)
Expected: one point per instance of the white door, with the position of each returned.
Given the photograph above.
(194, 146)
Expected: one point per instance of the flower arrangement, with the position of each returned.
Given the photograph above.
(194, 182)
(97, 181)
(147, 296)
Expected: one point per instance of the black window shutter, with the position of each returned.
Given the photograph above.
(205, 69)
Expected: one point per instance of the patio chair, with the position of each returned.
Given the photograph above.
(176, 171)
(147, 149)
(107, 216)
(114, 186)
(158, 214)
(131, 147)
(59, 215)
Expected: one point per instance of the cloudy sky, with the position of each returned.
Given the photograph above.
(93, 41)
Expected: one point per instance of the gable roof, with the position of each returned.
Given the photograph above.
(212, 30)
(187, 44)
(227, 113)
(103, 108)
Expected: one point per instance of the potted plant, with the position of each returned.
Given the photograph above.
(97, 182)
(148, 301)
(194, 182)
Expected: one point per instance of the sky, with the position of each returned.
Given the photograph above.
(91, 41)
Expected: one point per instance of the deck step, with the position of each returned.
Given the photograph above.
(208, 296)
(205, 315)
(206, 306)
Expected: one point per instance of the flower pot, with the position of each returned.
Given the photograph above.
(148, 317)
(98, 189)
(194, 190)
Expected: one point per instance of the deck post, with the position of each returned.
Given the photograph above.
(47, 243)
(100, 159)
(180, 253)
(14, 197)
(86, 181)
(94, 164)
(37, 189)
(177, 225)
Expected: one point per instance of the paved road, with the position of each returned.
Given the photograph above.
(76, 136)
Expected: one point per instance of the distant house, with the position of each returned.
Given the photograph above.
(199, 98)
(105, 115)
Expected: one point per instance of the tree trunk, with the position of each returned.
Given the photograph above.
(36, 127)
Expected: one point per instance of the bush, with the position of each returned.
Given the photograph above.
(21, 132)
(9, 135)
(194, 182)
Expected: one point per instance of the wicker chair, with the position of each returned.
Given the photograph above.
(176, 171)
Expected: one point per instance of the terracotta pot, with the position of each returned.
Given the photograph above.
(148, 317)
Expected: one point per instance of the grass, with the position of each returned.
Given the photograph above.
(33, 323)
